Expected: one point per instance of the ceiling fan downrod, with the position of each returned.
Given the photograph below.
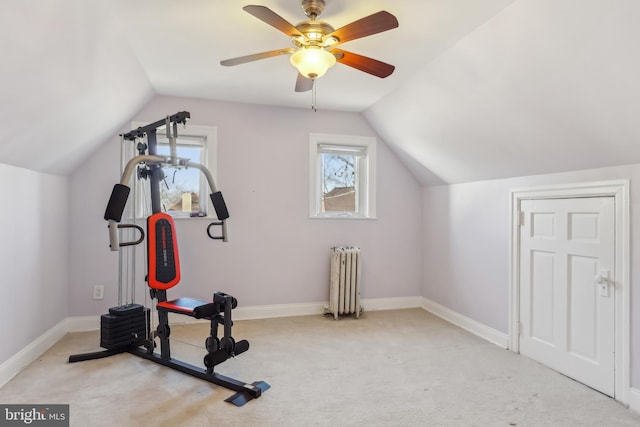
(312, 8)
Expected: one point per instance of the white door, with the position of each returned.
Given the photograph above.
(566, 287)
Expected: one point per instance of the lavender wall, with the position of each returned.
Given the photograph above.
(33, 256)
(275, 253)
(466, 237)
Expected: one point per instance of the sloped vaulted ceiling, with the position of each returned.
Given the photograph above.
(544, 86)
(68, 80)
(483, 88)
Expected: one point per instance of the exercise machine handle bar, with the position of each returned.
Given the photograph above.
(135, 242)
(223, 236)
(120, 194)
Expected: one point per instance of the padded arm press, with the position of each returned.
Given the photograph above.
(219, 205)
(113, 213)
(117, 202)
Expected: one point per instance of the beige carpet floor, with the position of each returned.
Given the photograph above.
(389, 368)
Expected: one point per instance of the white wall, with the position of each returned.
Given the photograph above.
(466, 238)
(275, 253)
(33, 256)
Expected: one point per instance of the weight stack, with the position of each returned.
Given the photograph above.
(124, 326)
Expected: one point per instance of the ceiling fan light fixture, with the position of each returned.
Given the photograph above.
(312, 61)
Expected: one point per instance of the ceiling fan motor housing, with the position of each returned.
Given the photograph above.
(314, 30)
(313, 8)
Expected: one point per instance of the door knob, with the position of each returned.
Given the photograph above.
(602, 280)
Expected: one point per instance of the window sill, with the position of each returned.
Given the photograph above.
(348, 217)
(183, 218)
(191, 218)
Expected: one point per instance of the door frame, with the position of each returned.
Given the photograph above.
(619, 190)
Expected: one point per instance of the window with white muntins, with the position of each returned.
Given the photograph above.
(341, 176)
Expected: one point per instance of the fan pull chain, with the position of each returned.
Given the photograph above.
(313, 97)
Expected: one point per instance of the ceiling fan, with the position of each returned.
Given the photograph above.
(315, 42)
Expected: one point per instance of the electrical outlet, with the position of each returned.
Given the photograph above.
(98, 292)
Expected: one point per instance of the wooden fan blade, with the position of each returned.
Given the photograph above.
(267, 15)
(256, 56)
(372, 24)
(363, 63)
(304, 84)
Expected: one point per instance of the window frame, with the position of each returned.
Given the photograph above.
(363, 146)
(209, 135)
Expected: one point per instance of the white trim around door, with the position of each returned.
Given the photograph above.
(619, 189)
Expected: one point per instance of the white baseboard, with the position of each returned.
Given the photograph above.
(83, 323)
(492, 335)
(396, 303)
(277, 310)
(12, 367)
(307, 309)
(634, 400)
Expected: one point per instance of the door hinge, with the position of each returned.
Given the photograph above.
(519, 328)
(521, 218)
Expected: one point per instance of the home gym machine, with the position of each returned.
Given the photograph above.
(127, 327)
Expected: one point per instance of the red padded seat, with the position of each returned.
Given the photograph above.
(181, 305)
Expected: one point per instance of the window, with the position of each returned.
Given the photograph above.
(341, 176)
(184, 192)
